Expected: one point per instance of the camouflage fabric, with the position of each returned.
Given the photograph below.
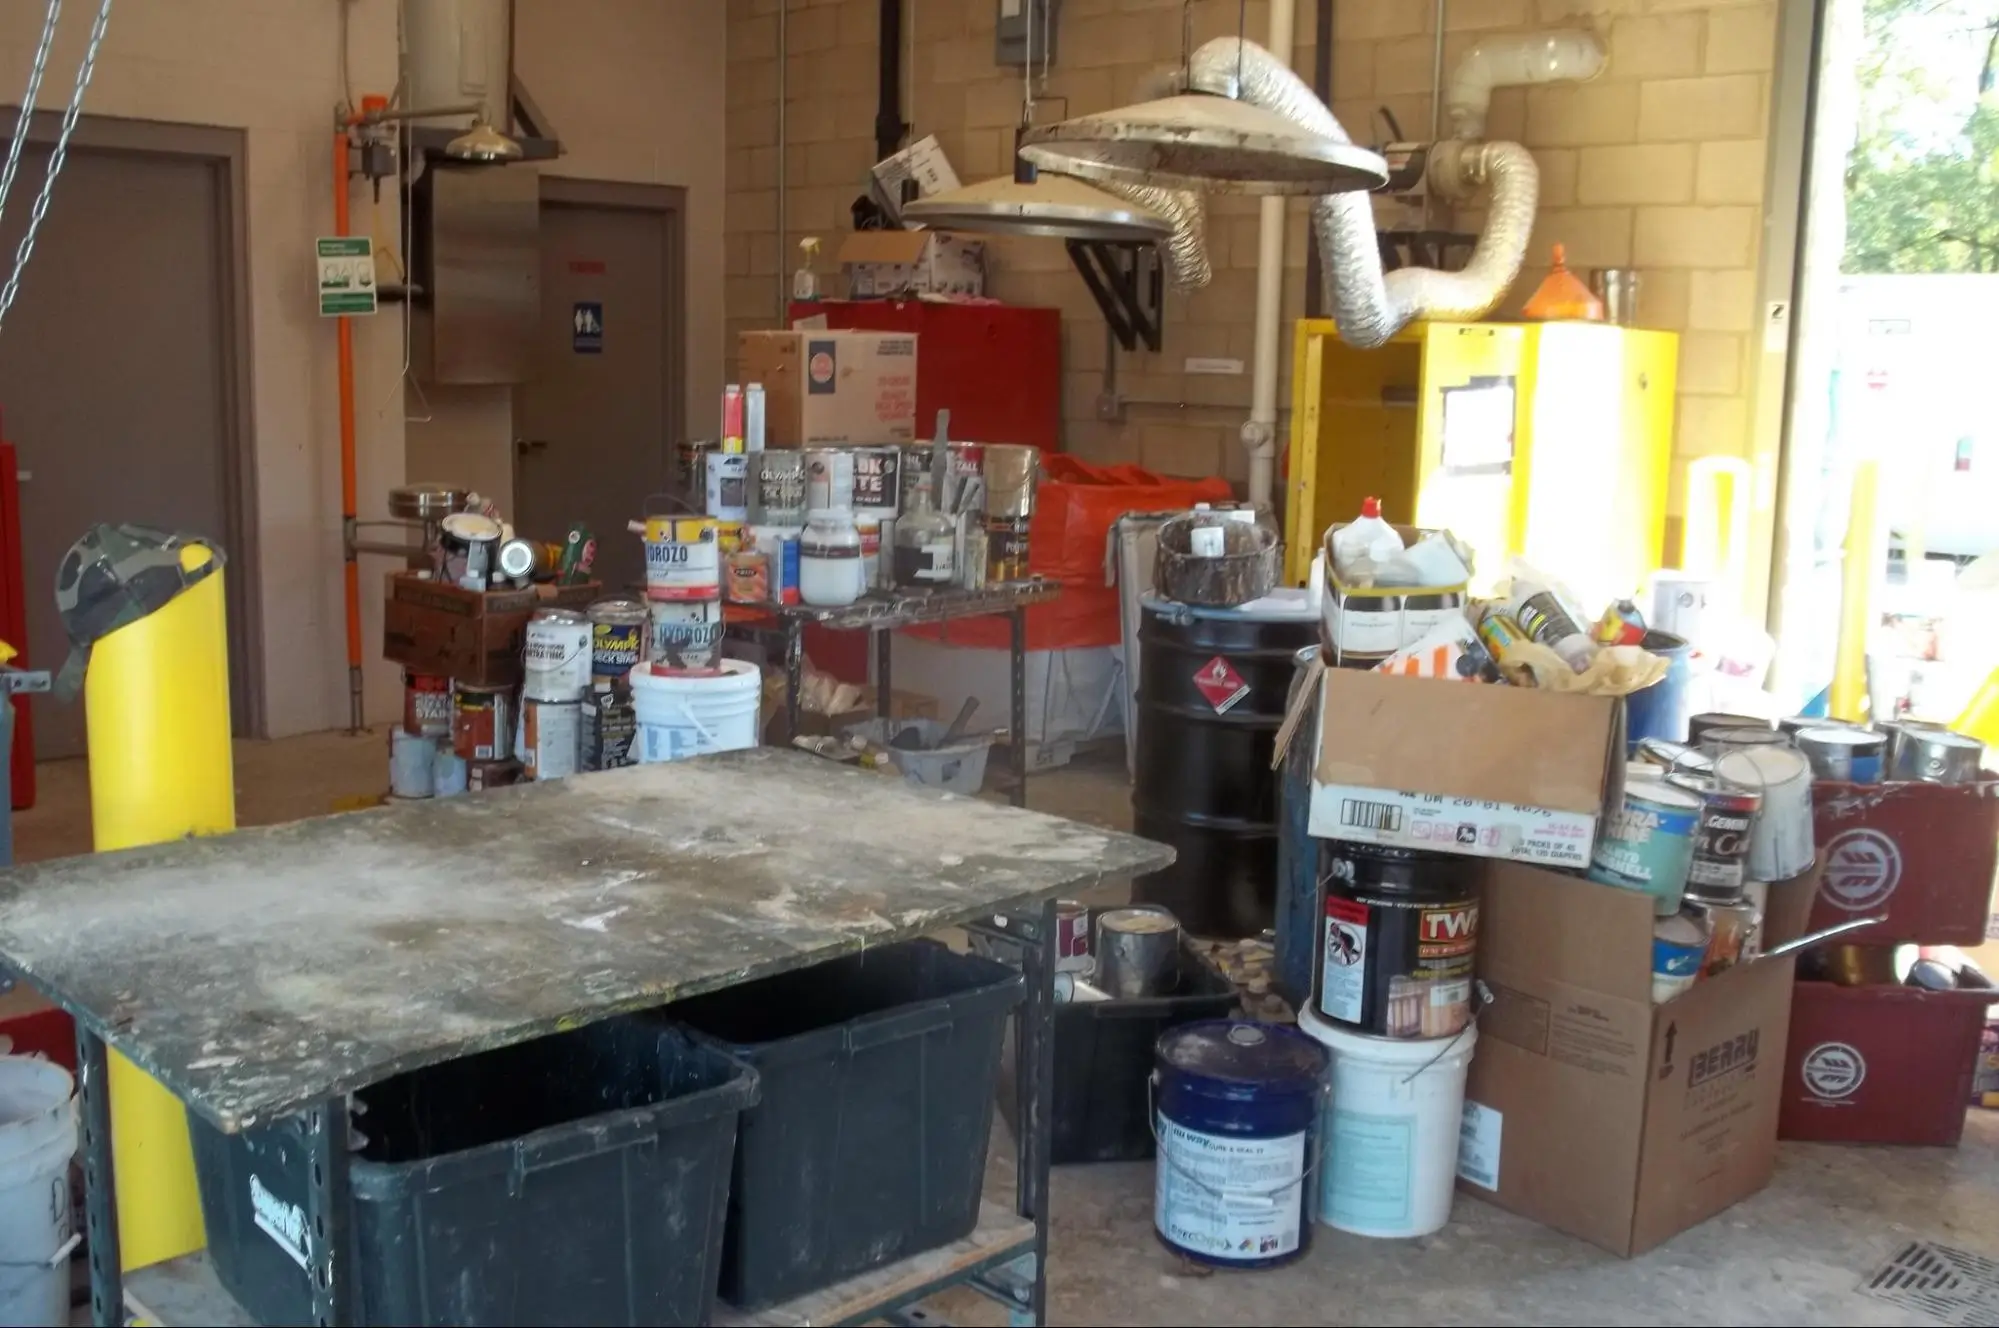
(111, 578)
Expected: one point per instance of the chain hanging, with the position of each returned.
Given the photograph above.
(28, 100)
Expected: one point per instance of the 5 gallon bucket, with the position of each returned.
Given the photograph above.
(687, 714)
(1236, 1115)
(37, 1140)
(1389, 1134)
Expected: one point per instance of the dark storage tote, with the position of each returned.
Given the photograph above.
(876, 1074)
(579, 1178)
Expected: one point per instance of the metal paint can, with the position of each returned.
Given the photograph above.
(1072, 937)
(684, 634)
(411, 765)
(483, 775)
(877, 482)
(1399, 940)
(1010, 470)
(1647, 844)
(964, 480)
(426, 705)
(1721, 837)
(779, 545)
(728, 494)
(1700, 726)
(551, 738)
(609, 724)
(1936, 756)
(683, 558)
(1006, 548)
(617, 639)
(556, 658)
(1137, 951)
(1781, 844)
(471, 544)
(691, 472)
(482, 727)
(777, 491)
(1679, 946)
(1848, 755)
(829, 479)
(1674, 757)
(1734, 933)
(1792, 725)
(870, 531)
(1720, 742)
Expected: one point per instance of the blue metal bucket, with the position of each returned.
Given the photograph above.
(1237, 1118)
(1660, 711)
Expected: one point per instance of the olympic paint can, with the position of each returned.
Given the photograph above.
(1072, 937)
(1781, 845)
(426, 705)
(729, 486)
(609, 724)
(1847, 755)
(1398, 941)
(411, 764)
(556, 657)
(1721, 838)
(551, 738)
(683, 557)
(1647, 844)
(617, 639)
(482, 722)
(685, 634)
(1236, 1114)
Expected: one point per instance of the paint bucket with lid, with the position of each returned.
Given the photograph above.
(1236, 1107)
(1781, 844)
(1700, 726)
(1935, 756)
(482, 722)
(1137, 952)
(1647, 843)
(551, 738)
(556, 657)
(411, 762)
(427, 705)
(687, 713)
(1389, 1129)
(684, 634)
(683, 558)
(471, 544)
(1399, 939)
(1738, 737)
(1843, 754)
(38, 1138)
(617, 640)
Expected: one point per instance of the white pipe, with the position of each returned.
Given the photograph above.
(1498, 62)
(1259, 435)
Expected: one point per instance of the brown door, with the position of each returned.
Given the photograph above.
(113, 377)
(593, 431)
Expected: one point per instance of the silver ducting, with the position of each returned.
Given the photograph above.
(1186, 249)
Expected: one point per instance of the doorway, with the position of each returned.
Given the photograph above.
(120, 367)
(595, 427)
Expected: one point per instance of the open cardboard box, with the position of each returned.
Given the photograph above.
(1591, 1109)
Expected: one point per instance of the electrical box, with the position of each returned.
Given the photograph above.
(1010, 32)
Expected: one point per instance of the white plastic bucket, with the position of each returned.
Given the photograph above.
(37, 1141)
(1389, 1132)
(692, 714)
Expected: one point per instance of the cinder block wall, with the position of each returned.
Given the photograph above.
(1657, 165)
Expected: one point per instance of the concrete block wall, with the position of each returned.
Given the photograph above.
(1657, 165)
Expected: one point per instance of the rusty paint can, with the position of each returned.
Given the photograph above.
(426, 705)
(482, 726)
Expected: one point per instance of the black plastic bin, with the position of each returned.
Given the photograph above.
(876, 1074)
(579, 1178)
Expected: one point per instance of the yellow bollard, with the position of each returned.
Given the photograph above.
(1980, 719)
(156, 700)
(1865, 560)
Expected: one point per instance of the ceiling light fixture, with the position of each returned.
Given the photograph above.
(482, 142)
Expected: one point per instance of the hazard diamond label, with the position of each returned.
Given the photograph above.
(1221, 684)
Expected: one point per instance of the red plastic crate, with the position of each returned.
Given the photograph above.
(1879, 1065)
(1923, 853)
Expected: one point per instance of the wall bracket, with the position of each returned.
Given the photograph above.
(1126, 279)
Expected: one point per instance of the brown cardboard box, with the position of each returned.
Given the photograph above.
(825, 387)
(1462, 767)
(438, 628)
(895, 263)
(1595, 1111)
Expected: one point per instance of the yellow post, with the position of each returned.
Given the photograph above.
(156, 700)
(1980, 719)
(1862, 563)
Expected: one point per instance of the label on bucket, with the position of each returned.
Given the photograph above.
(1478, 1145)
(1227, 1197)
(1344, 986)
(1371, 1171)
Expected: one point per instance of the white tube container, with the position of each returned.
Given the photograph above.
(692, 714)
(1388, 1133)
(37, 1229)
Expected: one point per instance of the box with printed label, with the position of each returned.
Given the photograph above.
(1459, 767)
(1880, 1065)
(1924, 854)
(1365, 624)
(880, 264)
(1595, 1111)
(825, 387)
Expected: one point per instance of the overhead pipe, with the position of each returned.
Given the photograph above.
(344, 335)
(1259, 433)
(1500, 62)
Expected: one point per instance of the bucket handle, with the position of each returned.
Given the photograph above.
(1165, 1156)
(699, 727)
(56, 1260)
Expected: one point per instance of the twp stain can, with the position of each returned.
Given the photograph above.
(1399, 940)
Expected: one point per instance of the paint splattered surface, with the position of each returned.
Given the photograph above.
(261, 972)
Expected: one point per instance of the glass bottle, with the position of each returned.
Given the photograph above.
(925, 542)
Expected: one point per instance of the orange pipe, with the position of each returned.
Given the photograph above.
(345, 333)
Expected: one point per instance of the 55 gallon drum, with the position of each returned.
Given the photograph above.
(1237, 1107)
(1400, 940)
(1212, 687)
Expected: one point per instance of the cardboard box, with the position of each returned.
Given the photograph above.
(1880, 1065)
(884, 263)
(439, 628)
(1923, 853)
(1365, 625)
(1591, 1109)
(832, 387)
(923, 163)
(1460, 767)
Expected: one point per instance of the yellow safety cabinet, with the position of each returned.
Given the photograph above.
(1551, 441)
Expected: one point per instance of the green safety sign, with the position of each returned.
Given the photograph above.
(346, 275)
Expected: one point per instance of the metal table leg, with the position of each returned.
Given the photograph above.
(794, 673)
(325, 1137)
(1016, 621)
(884, 657)
(100, 1191)
(1036, 1075)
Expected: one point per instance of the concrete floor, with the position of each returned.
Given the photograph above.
(1797, 1253)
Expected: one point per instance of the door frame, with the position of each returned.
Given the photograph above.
(669, 201)
(226, 151)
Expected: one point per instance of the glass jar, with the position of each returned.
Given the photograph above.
(925, 542)
(830, 571)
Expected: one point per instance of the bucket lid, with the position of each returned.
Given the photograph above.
(1417, 1053)
(1285, 604)
(1238, 1055)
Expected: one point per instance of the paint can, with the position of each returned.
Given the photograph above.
(471, 544)
(684, 713)
(551, 738)
(779, 545)
(777, 491)
(1721, 836)
(1700, 726)
(870, 531)
(1735, 931)
(609, 724)
(426, 705)
(1781, 845)
(522, 560)
(877, 482)
(683, 558)
(411, 762)
(829, 479)
(1399, 939)
(1719, 742)
(964, 479)
(1848, 755)
(448, 771)
(481, 722)
(483, 775)
(1010, 470)
(1072, 937)
(1792, 725)
(1647, 843)
(617, 639)
(1137, 951)
(684, 634)
(1936, 756)
(556, 657)
(1674, 757)
(1680, 605)
(728, 493)
(1389, 1129)
(1679, 945)
(691, 469)
(1985, 1070)
(1236, 1111)
(1007, 548)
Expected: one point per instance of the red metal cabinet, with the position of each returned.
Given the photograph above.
(995, 367)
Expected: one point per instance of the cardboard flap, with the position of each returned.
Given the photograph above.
(1504, 744)
(884, 246)
(1598, 937)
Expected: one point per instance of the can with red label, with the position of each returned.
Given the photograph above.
(426, 705)
(1072, 937)
(1399, 939)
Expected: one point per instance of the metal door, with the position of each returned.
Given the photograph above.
(592, 427)
(114, 378)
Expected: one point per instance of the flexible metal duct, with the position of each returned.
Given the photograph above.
(1186, 249)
